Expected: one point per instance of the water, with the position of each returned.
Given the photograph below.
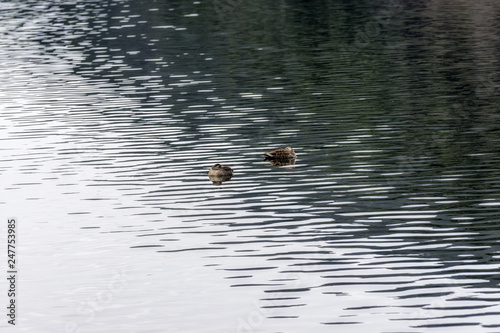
(113, 112)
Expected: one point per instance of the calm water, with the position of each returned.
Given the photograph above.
(112, 112)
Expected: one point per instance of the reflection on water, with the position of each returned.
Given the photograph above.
(113, 113)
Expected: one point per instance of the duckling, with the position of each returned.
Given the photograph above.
(218, 170)
(280, 154)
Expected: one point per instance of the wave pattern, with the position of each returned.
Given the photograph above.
(117, 113)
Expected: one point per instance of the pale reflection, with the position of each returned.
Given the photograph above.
(218, 180)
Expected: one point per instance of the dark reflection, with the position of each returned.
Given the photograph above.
(281, 162)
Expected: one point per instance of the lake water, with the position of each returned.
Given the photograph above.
(112, 113)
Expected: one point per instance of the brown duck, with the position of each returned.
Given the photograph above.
(219, 173)
(220, 170)
(282, 154)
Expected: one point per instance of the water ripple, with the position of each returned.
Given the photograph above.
(112, 117)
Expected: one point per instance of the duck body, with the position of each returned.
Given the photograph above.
(280, 154)
(218, 170)
(219, 174)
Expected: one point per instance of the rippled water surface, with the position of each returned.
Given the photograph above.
(112, 113)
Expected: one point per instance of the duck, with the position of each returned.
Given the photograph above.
(280, 154)
(219, 173)
(218, 170)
